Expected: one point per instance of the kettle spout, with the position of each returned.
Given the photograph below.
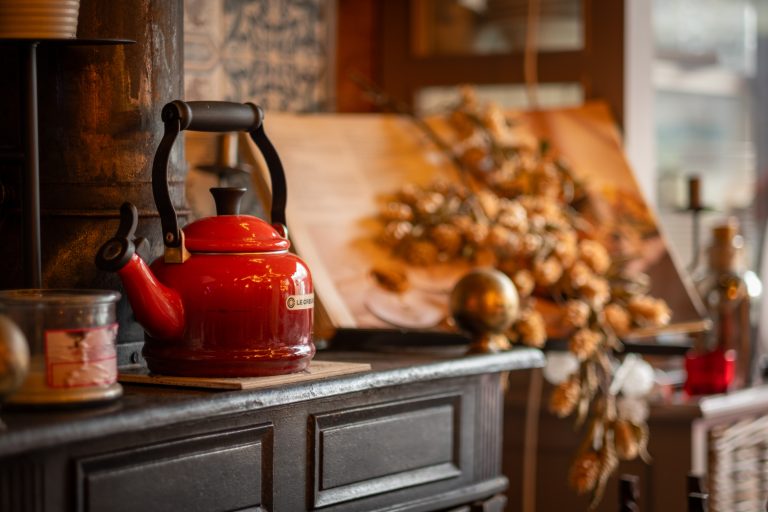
(158, 309)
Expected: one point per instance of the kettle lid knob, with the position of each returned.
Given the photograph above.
(227, 199)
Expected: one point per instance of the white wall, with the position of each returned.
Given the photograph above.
(639, 136)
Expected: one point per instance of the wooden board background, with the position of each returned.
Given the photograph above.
(339, 168)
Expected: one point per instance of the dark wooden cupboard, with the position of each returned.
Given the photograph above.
(414, 433)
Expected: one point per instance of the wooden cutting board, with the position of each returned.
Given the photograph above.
(317, 370)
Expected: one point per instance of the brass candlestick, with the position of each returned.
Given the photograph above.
(695, 207)
(484, 303)
(227, 162)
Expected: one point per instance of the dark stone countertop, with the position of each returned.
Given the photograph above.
(145, 406)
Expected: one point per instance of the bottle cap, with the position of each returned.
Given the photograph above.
(727, 233)
(725, 253)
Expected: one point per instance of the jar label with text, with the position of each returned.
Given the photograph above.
(81, 357)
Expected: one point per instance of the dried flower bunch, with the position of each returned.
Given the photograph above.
(519, 208)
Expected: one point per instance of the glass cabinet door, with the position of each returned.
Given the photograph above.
(429, 46)
(480, 27)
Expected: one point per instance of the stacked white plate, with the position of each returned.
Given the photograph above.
(38, 19)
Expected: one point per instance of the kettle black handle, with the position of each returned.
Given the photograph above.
(214, 116)
(211, 116)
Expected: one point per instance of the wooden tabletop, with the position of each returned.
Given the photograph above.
(146, 406)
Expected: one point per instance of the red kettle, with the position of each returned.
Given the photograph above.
(227, 298)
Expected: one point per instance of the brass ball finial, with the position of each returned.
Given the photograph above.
(485, 303)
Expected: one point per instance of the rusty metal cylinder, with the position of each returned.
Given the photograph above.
(100, 125)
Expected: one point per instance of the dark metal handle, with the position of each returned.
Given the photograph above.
(118, 250)
(211, 116)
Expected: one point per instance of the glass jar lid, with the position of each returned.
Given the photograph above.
(57, 296)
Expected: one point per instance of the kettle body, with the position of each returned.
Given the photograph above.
(245, 315)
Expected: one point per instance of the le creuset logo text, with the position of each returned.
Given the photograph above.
(294, 302)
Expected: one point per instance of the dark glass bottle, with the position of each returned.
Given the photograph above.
(695, 484)
(628, 494)
(697, 502)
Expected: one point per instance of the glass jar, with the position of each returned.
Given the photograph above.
(71, 336)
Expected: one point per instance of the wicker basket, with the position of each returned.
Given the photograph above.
(737, 475)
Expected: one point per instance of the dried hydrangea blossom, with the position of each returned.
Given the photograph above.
(530, 328)
(633, 409)
(519, 208)
(566, 247)
(421, 252)
(547, 272)
(391, 277)
(563, 400)
(579, 274)
(576, 313)
(524, 282)
(595, 256)
(395, 232)
(596, 291)
(397, 212)
(448, 239)
(627, 440)
(649, 311)
(584, 342)
(618, 318)
(584, 472)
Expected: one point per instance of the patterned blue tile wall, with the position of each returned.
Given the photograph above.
(274, 53)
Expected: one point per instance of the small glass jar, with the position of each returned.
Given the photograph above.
(71, 336)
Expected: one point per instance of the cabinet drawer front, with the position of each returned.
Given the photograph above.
(221, 471)
(371, 450)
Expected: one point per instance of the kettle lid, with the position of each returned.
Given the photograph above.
(229, 231)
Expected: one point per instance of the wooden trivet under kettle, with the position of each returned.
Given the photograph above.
(317, 370)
